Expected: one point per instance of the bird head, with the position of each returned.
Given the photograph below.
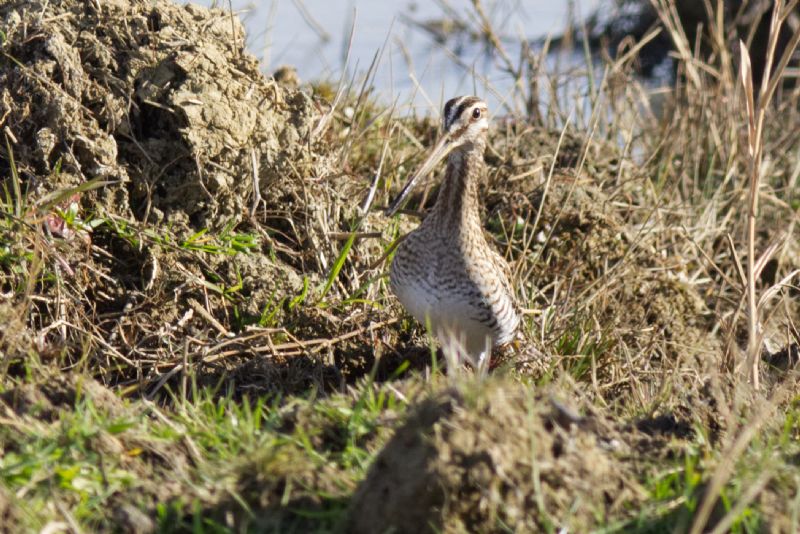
(465, 123)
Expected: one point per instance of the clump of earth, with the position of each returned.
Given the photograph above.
(159, 99)
(137, 116)
(496, 455)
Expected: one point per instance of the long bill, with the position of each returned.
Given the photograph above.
(442, 149)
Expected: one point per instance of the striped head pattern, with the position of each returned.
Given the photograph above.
(466, 121)
(466, 118)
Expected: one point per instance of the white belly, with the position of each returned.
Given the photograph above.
(450, 319)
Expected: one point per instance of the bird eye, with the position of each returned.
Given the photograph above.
(476, 113)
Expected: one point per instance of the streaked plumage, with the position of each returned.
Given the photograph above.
(445, 271)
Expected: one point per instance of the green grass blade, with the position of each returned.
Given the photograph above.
(337, 266)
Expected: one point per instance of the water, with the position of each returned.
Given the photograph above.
(414, 69)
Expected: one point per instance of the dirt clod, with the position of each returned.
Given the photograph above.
(59, 393)
(473, 460)
(161, 100)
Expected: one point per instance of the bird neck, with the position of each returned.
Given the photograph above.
(456, 207)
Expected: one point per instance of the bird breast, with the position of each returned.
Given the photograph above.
(457, 284)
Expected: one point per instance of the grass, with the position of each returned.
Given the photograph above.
(172, 373)
(204, 454)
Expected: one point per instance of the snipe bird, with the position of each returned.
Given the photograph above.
(444, 272)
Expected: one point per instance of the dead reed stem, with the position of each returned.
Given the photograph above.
(756, 112)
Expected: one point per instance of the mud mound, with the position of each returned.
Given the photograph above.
(151, 121)
(47, 400)
(633, 310)
(280, 481)
(491, 458)
(596, 259)
(157, 97)
(617, 273)
(521, 156)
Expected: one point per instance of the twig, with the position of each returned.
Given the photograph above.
(299, 346)
(208, 317)
(392, 247)
(235, 48)
(495, 40)
(343, 236)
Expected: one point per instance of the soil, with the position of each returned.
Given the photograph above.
(156, 117)
(160, 99)
(60, 393)
(492, 457)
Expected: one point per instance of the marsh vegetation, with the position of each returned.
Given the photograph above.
(198, 334)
